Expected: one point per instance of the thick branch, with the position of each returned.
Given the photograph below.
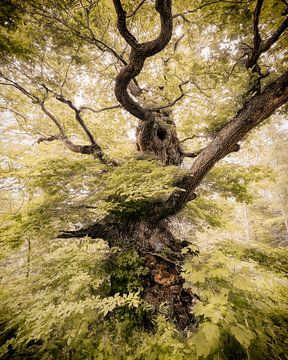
(49, 138)
(122, 26)
(78, 118)
(255, 111)
(94, 148)
(139, 53)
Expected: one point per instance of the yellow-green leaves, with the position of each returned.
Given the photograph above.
(243, 335)
(206, 339)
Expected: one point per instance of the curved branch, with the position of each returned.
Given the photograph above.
(82, 149)
(122, 26)
(139, 53)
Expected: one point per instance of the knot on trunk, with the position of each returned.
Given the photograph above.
(158, 136)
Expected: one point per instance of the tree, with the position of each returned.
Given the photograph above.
(73, 48)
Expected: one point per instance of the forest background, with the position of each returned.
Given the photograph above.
(120, 239)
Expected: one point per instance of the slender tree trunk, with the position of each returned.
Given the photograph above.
(246, 222)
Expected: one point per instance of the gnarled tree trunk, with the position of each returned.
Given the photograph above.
(161, 252)
(158, 137)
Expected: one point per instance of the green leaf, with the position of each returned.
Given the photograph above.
(197, 276)
(206, 339)
(243, 335)
(211, 332)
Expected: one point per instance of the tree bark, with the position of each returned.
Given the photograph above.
(150, 236)
(254, 112)
(162, 257)
(159, 138)
(156, 134)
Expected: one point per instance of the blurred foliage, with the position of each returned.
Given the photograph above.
(243, 308)
(78, 299)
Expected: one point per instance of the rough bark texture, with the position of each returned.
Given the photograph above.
(158, 137)
(255, 111)
(162, 257)
(156, 134)
(153, 241)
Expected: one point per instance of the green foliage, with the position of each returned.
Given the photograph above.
(136, 185)
(126, 269)
(65, 297)
(79, 299)
(268, 257)
(204, 212)
(62, 189)
(231, 180)
(240, 300)
(12, 41)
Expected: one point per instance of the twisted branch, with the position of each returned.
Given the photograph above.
(139, 53)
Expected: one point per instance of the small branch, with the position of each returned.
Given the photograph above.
(192, 137)
(260, 47)
(19, 87)
(14, 112)
(100, 110)
(95, 148)
(82, 149)
(257, 37)
(100, 44)
(49, 138)
(272, 40)
(182, 15)
(177, 42)
(67, 71)
(175, 100)
(136, 9)
(54, 119)
(78, 117)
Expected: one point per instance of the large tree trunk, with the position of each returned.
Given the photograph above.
(150, 236)
(161, 253)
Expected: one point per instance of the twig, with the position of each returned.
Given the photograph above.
(136, 9)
